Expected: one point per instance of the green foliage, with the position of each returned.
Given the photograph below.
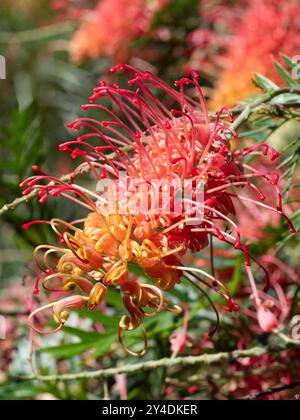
(264, 83)
(285, 75)
(21, 145)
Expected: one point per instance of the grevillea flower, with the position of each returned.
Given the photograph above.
(112, 26)
(208, 43)
(149, 141)
(267, 29)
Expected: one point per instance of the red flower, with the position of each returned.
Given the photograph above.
(109, 28)
(249, 52)
(149, 141)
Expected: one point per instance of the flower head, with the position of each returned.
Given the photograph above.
(176, 146)
(109, 29)
(209, 42)
(249, 52)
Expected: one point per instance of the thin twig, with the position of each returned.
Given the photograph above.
(244, 112)
(66, 178)
(272, 391)
(264, 99)
(28, 197)
(206, 359)
(154, 364)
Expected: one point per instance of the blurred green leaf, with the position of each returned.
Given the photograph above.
(97, 316)
(286, 76)
(233, 285)
(264, 83)
(288, 61)
(100, 342)
(66, 351)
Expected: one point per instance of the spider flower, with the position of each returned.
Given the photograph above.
(109, 29)
(142, 141)
(274, 29)
(208, 44)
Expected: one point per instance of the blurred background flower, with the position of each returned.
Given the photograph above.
(264, 31)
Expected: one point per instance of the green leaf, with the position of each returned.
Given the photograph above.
(86, 336)
(290, 63)
(12, 391)
(237, 276)
(104, 345)
(264, 83)
(286, 76)
(114, 299)
(287, 99)
(22, 142)
(97, 316)
(66, 351)
(100, 342)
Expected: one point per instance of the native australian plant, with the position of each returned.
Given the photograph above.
(161, 219)
(152, 141)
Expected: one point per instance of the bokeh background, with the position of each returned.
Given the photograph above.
(56, 51)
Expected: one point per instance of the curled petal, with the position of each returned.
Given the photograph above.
(60, 312)
(60, 308)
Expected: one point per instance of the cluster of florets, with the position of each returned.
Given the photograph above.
(149, 142)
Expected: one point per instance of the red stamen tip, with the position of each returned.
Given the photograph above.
(92, 307)
(26, 226)
(117, 67)
(23, 184)
(168, 125)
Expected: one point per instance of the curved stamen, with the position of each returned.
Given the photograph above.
(131, 352)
